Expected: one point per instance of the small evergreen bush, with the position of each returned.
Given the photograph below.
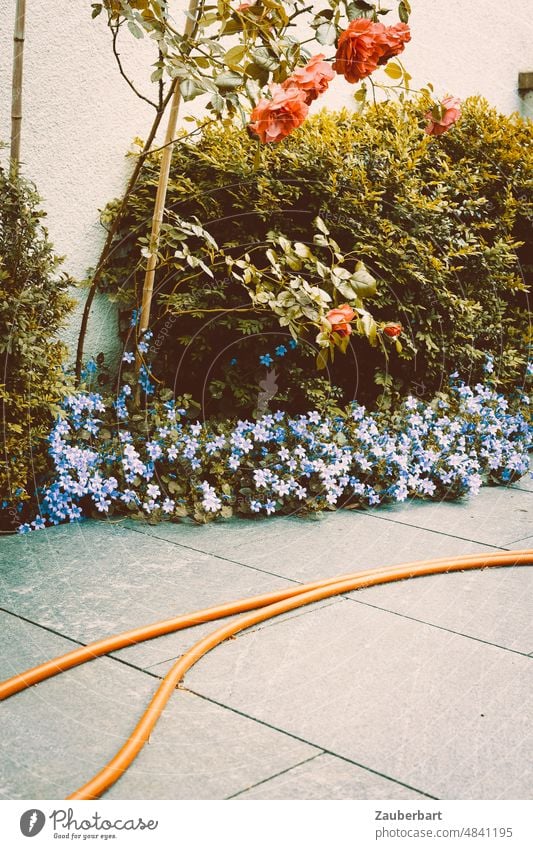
(443, 224)
(33, 305)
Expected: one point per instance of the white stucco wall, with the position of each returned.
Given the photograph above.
(80, 117)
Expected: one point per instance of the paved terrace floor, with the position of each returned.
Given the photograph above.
(419, 689)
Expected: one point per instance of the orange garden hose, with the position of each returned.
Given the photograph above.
(260, 608)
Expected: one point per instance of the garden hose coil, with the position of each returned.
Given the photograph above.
(256, 609)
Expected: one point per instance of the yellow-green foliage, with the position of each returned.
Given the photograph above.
(441, 222)
(33, 304)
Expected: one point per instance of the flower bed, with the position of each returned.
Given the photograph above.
(163, 465)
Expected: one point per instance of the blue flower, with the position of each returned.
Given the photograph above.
(128, 357)
(266, 360)
(281, 351)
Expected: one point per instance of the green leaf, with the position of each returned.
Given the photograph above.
(394, 71)
(363, 282)
(256, 73)
(404, 10)
(188, 89)
(135, 30)
(228, 80)
(263, 57)
(322, 358)
(235, 54)
(353, 12)
(216, 103)
(326, 33)
(320, 225)
(96, 9)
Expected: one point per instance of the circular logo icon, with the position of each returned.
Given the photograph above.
(32, 822)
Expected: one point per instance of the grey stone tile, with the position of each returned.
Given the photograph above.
(203, 751)
(165, 650)
(497, 516)
(56, 735)
(439, 712)
(307, 550)
(328, 777)
(97, 579)
(521, 544)
(525, 483)
(492, 604)
(25, 645)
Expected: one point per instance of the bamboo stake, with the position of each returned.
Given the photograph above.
(16, 89)
(159, 207)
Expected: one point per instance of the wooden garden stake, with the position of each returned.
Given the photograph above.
(16, 89)
(159, 207)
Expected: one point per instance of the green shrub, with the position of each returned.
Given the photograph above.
(33, 304)
(440, 222)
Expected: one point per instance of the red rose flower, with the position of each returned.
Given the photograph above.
(274, 118)
(392, 330)
(340, 319)
(313, 78)
(394, 41)
(365, 45)
(443, 116)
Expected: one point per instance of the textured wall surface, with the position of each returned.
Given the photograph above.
(80, 117)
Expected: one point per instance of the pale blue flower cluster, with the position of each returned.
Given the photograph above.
(278, 463)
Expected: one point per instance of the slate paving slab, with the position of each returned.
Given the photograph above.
(491, 604)
(520, 544)
(428, 682)
(497, 516)
(328, 777)
(440, 712)
(307, 550)
(57, 734)
(101, 579)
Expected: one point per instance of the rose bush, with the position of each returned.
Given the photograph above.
(443, 224)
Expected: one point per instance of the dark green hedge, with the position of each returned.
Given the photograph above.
(33, 305)
(445, 224)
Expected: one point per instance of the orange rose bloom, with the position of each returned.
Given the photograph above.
(392, 330)
(273, 119)
(394, 41)
(443, 116)
(313, 78)
(365, 45)
(340, 319)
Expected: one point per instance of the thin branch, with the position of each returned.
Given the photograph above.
(116, 54)
(182, 138)
(161, 84)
